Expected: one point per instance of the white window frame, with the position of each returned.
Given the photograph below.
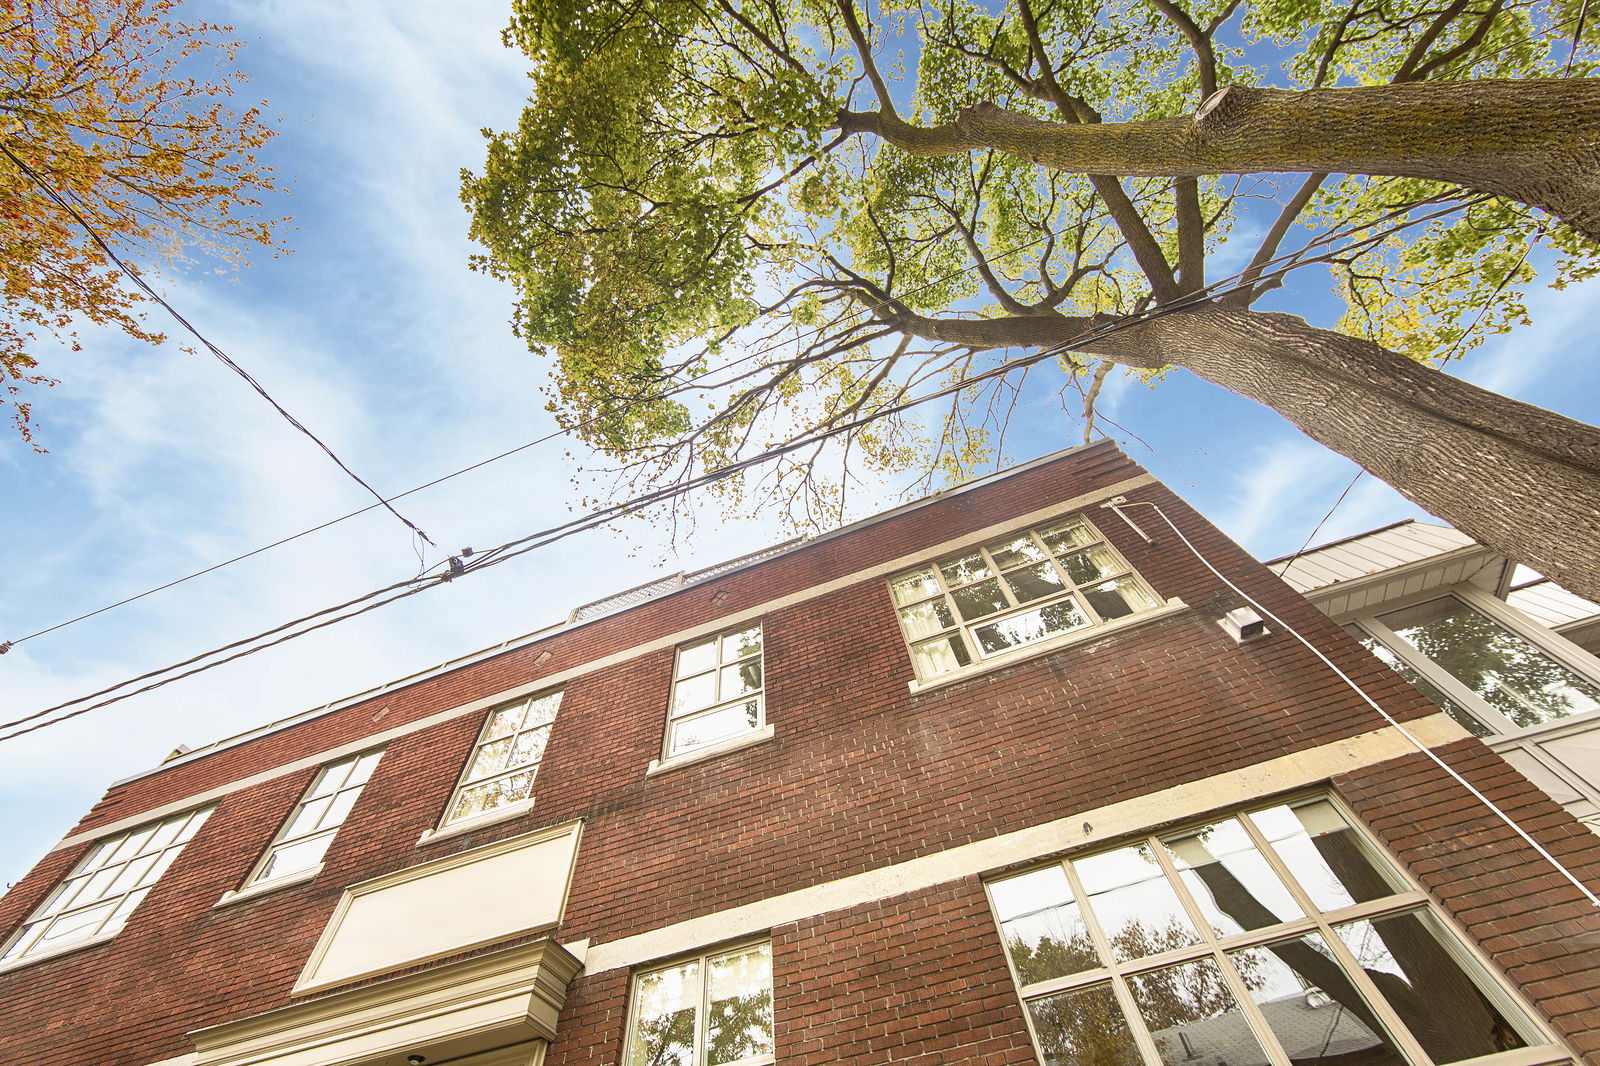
(963, 629)
(1542, 1047)
(755, 731)
(703, 1007)
(258, 881)
(103, 873)
(450, 822)
(1557, 647)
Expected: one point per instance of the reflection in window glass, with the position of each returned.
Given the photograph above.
(1509, 673)
(1191, 1014)
(715, 1010)
(1025, 588)
(1138, 910)
(1088, 936)
(506, 759)
(1422, 684)
(305, 837)
(1230, 880)
(1314, 1010)
(1407, 956)
(1042, 926)
(1083, 1029)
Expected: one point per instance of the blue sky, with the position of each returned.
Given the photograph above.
(375, 334)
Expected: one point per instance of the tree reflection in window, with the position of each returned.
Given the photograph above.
(715, 1010)
(1083, 953)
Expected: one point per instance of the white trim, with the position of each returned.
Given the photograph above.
(181, 1060)
(669, 640)
(711, 751)
(263, 888)
(309, 979)
(56, 952)
(1179, 803)
(467, 825)
(1055, 643)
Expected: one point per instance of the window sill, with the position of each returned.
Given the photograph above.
(1077, 636)
(57, 952)
(711, 751)
(467, 825)
(265, 888)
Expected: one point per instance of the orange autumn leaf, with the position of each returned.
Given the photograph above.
(109, 103)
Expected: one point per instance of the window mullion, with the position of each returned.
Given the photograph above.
(703, 1013)
(1264, 847)
(1136, 1025)
(1375, 1000)
(1253, 1015)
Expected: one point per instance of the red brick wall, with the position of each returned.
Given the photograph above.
(861, 773)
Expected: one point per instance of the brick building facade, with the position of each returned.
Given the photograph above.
(975, 781)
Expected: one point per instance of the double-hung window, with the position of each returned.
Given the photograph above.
(1279, 936)
(1024, 588)
(102, 891)
(304, 838)
(711, 1010)
(716, 691)
(506, 758)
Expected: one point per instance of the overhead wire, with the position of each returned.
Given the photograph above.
(222, 356)
(542, 538)
(697, 383)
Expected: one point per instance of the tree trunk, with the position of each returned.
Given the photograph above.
(1520, 479)
(1536, 141)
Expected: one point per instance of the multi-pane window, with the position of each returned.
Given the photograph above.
(102, 891)
(713, 1010)
(1485, 676)
(1023, 588)
(716, 690)
(506, 758)
(304, 838)
(1280, 936)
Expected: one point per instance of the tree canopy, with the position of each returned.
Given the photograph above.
(735, 223)
(110, 105)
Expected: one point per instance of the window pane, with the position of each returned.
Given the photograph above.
(712, 726)
(1035, 582)
(1427, 688)
(925, 619)
(1015, 551)
(542, 709)
(909, 588)
(1138, 910)
(1519, 680)
(966, 569)
(664, 1004)
(739, 645)
(741, 679)
(694, 693)
(1312, 1006)
(295, 857)
(491, 759)
(1042, 926)
(528, 747)
(1118, 597)
(363, 768)
(504, 722)
(1325, 855)
(739, 992)
(1029, 626)
(976, 601)
(1230, 880)
(1064, 536)
(1083, 1029)
(1089, 565)
(1192, 1015)
(940, 656)
(1422, 979)
(697, 658)
(492, 795)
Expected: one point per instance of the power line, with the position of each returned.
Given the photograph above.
(7, 645)
(531, 542)
(222, 356)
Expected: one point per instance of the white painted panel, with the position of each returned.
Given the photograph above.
(1541, 775)
(1580, 753)
(442, 907)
